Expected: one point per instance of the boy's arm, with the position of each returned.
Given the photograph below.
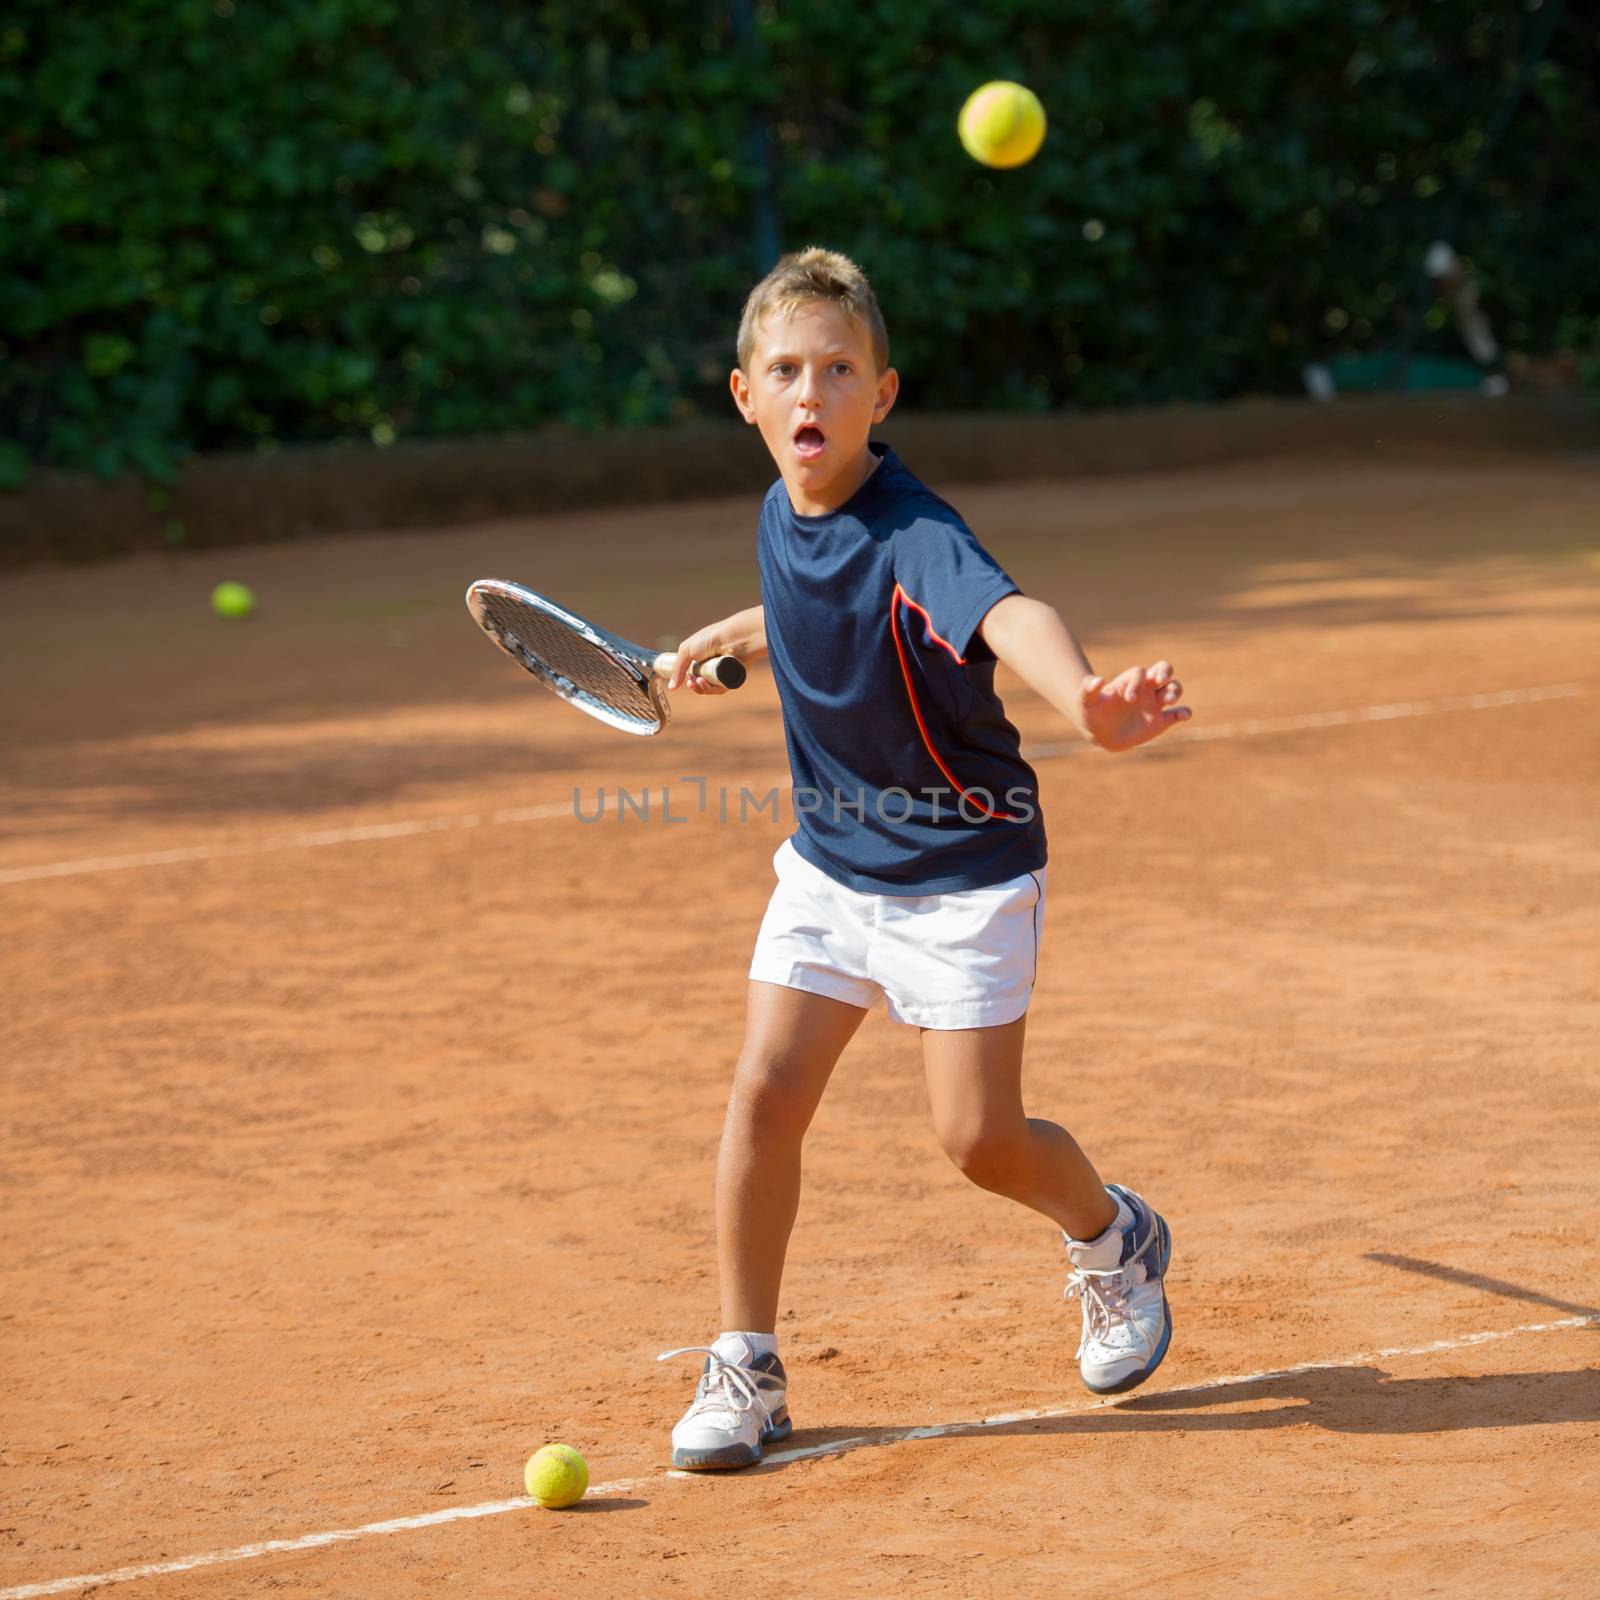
(744, 635)
(1133, 708)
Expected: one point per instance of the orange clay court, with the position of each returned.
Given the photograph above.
(361, 1103)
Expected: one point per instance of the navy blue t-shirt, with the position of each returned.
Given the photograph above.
(908, 779)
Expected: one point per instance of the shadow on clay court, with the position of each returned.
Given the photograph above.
(367, 627)
(1349, 1400)
(590, 1507)
(1477, 1280)
(1364, 1400)
(282, 773)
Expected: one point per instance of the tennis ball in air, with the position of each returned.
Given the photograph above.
(232, 600)
(556, 1476)
(1002, 124)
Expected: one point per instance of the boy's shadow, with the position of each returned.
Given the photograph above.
(1340, 1400)
(1360, 1400)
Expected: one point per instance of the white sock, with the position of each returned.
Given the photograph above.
(745, 1349)
(1106, 1250)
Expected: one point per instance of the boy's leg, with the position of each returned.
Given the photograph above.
(792, 1041)
(1118, 1245)
(975, 1089)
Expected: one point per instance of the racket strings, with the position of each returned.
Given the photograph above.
(571, 664)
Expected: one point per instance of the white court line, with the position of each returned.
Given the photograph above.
(274, 1547)
(543, 813)
(494, 1508)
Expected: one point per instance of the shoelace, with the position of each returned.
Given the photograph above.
(1106, 1300)
(736, 1386)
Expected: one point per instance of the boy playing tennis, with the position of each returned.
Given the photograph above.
(917, 869)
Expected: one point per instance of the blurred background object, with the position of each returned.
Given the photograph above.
(229, 226)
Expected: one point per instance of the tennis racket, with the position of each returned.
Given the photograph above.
(622, 684)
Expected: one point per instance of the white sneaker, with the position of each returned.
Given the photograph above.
(1127, 1324)
(737, 1409)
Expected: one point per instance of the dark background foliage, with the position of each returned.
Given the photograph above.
(226, 222)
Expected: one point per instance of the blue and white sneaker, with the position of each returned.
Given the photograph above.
(1127, 1324)
(737, 1409)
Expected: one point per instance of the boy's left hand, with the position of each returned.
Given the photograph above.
(1132, 708)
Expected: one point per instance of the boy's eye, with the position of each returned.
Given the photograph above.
(782, 369)
(841, 366)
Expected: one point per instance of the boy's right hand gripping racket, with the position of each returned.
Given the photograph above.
(622, 684)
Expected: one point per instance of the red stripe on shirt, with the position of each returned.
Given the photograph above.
(928, 623)
(916, 711)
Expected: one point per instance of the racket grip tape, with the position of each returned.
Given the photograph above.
(726, 671)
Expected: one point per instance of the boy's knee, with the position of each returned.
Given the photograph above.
(767, 1100)
(987, 1155)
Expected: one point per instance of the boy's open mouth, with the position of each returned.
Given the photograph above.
(808, 442)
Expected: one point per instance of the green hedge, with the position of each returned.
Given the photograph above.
(235, 222)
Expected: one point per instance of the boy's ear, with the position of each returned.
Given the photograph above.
(888, 388)
(740, 385)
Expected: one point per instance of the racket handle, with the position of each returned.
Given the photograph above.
(726, 671)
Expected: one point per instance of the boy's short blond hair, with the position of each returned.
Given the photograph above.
(805, 276)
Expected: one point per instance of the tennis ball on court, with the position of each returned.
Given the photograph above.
(556, 1476)
(232, 600)
(1002, 124)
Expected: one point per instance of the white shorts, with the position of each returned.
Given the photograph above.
(965, 959)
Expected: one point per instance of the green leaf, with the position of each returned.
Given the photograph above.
(107, 353)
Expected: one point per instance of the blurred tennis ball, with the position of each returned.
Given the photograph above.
(1002, 124)
(556, 1476)
(232, 600)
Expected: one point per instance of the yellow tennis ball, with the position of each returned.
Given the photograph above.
(232, 600)
(1002, 124)
(556, 1476)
